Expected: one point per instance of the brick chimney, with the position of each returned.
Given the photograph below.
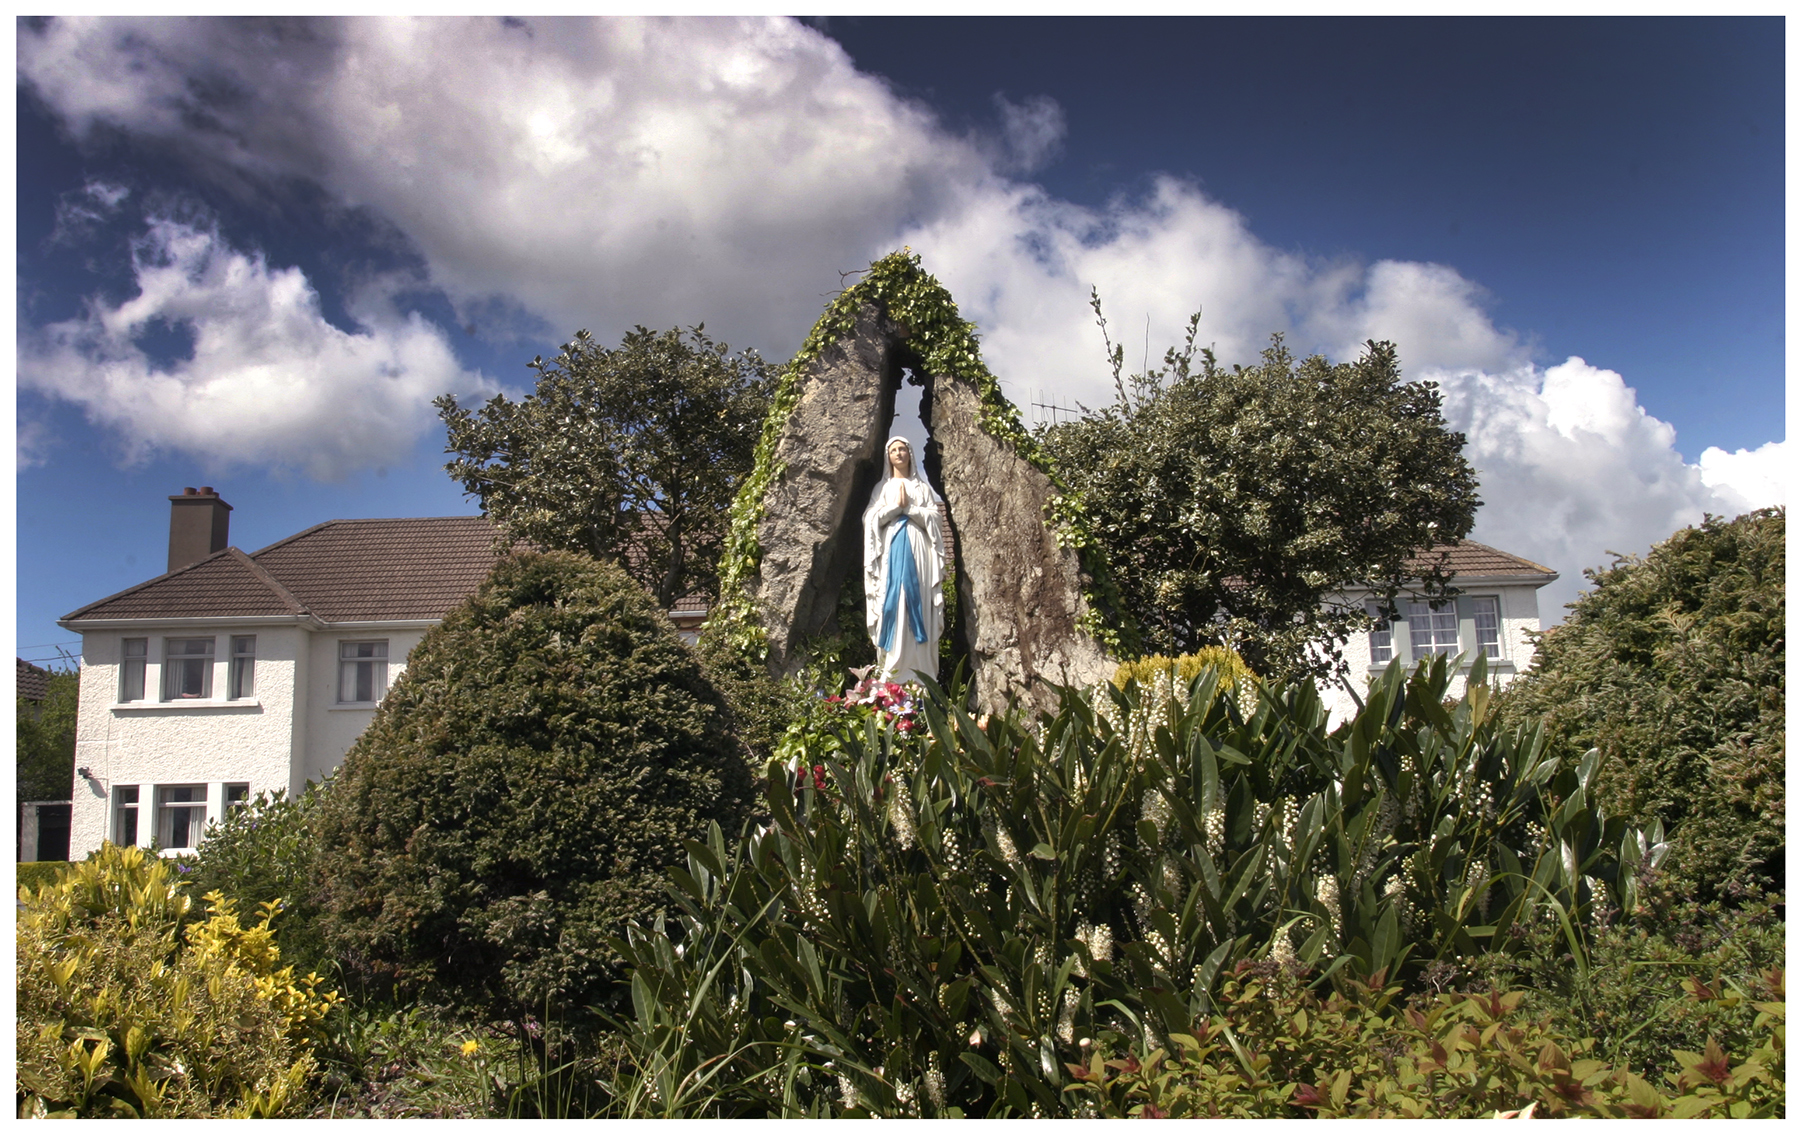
(199, 525)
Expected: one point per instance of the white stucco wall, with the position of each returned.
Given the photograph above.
(152, 742)
(330, 727)
(1518, 614)
(290, 731)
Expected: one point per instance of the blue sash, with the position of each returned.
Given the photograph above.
(902, 575)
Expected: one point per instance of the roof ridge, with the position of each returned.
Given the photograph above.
(280, 589)
(359, 521)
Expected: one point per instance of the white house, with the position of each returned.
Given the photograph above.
(1496, 605)
(236, 673)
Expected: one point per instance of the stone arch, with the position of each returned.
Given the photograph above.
(1023, 599)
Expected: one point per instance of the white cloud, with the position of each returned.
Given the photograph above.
(1572, 468)
(268, 380)
(602, 173)
(1757, 477)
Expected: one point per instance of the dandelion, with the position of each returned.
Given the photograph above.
(471, 1047)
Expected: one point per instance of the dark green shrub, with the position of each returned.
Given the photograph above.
(937, 916)
(1648, 984)
(522, 791)
(1674, 667)
(264, 851)
(1274, 1048)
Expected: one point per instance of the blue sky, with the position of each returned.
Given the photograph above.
(251, 253)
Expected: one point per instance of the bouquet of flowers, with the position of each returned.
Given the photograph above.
(892, 702)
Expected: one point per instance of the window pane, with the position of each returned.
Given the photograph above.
(183, 818)
(1433, 628)
(242, 682)
(131, 670)
(1487, 625)
(187, 668)
(362, 675)
(125, 803)
(1381, 639)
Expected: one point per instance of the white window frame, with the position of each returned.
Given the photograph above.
(352, 663)
(173, 667)
(134, 666)
(237, 795)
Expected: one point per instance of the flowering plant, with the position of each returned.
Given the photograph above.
(893, 703)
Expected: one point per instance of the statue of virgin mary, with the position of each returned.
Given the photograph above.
(903, 567)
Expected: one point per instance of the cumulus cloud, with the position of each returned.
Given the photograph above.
(602, 173)
(1758, 478)
(1573, 468)
(267, 379)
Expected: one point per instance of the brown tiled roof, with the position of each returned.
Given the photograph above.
(34, 682)
(1467, 558)
(409, 568)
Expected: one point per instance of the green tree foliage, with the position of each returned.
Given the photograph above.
(629, 453)
(123, 1012)
(1673, 666)
(267, 851)
(45, 745)
(522, 791)
(1232, 504)
(943, 908)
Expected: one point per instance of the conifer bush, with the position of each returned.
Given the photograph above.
(938, 916)
(522, 792)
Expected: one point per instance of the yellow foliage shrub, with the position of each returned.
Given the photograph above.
(121, 1014)
(1233, 671)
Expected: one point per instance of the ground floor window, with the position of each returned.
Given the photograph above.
(125, 815)
(181, 815)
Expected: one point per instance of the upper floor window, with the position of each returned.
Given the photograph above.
(187, 668)
(135, 654)
(242, 682)
(1432, 627)
(1381, 638)
(362, 671)
(1487, 625)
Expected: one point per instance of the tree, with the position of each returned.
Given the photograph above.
(45, 741)
(1234, 504)
(1674, 667)
(522, 792)
(630, 453)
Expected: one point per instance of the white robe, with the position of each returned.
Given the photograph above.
(881, 519)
